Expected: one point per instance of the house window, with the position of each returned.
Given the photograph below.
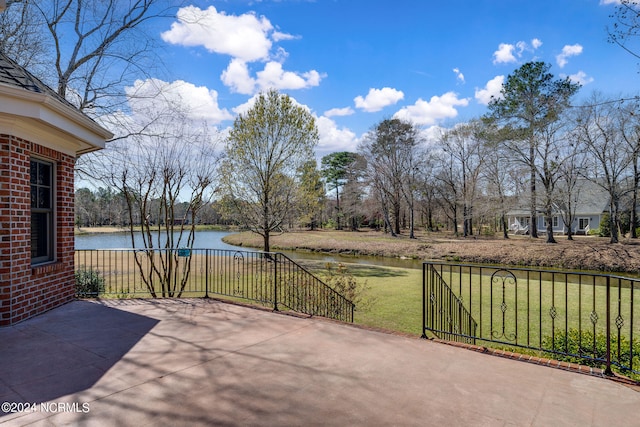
(42, 229)
(554, 221)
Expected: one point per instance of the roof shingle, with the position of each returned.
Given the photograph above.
(13, 74)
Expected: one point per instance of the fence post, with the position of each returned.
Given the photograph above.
(275, 282)
(424, 300)
(206, 273)
(607, 370)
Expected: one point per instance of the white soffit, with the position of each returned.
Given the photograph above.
(42, 119)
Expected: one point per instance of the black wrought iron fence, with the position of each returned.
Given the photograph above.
(447, 313)
(271, 279)
(580, 317)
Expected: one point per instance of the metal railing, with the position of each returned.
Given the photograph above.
(447, 313)
(271, 279)
(580, 317)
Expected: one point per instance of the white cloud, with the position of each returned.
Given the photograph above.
(334, 139)
(237, 76)
(346, 111)
(610, 1)
(491, 89)
(245, 36)
(568, 51)
(580, 77)
(508, 53)
(278, 36)
(196, 102)
(377, 99)
(459, 75)
(273, 76)
(432, 111)
(504, 54)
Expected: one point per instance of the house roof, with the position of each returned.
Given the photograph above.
(13, 74)
(590, 198)
(32, 110)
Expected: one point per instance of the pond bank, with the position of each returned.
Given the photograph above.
(583, 253)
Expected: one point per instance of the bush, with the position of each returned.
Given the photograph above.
(577, 343)
(605, 225)
(89, 282)
(345, 283)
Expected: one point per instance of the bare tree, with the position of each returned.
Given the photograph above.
(549, 166)
(598, 128)
(21, 37)
(465, 146)
(630, 129)
(92, 48)
(497, 173)
(568, 191)
(448, 188)
(626, 26)
(391, 152)
(166, 178)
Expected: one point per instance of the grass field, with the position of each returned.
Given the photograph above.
(395, 294)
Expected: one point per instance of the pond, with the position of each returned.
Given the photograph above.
(212, 239)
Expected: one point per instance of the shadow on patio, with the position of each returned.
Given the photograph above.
(203, 362)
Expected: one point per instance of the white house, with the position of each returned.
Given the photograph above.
(590, 202)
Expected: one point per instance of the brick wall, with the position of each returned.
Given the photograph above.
(27, 290)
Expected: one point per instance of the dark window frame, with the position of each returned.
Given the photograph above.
(42, 191)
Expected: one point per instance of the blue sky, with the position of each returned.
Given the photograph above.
(355, 62)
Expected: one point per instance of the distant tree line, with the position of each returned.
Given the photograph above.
(104, 207)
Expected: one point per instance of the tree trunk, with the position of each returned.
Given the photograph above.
(634, 201)
(412, 234)
(396, 219)
(613, 222)
(505, 229)
(338, 226)
(265, 236)
(455, 222)
(549, 217)
(533, 224)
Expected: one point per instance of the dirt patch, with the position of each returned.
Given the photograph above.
(583, 253)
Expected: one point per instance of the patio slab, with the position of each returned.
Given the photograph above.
(204, 362)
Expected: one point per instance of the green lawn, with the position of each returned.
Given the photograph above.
(396, 295)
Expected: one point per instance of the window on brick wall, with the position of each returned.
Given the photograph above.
(42, 228)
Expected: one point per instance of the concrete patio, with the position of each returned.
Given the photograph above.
(203, 362)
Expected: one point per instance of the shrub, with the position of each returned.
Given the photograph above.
(345, 283)
(605, 225)
(89, 282)
(582, 344)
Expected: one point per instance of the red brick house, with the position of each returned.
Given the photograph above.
(41, 135)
